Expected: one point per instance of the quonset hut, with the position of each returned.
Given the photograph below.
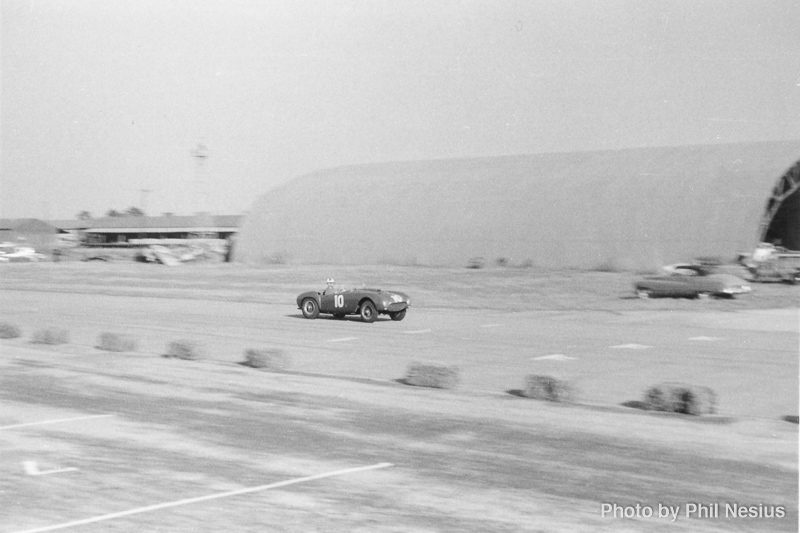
(634, 208)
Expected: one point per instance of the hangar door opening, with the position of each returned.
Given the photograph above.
(781, 223)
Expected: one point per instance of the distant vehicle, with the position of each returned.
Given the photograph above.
(23, 254)
(369, 303)
(772, 263)
(690, 281)
(156, 253)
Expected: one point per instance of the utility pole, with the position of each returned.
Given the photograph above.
(143, 200)
(203, 218)
(200, 155)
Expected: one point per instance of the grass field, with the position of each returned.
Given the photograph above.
(512, 289)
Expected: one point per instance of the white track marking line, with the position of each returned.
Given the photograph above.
(53, 421)
(553, 357)
(703, 338)
(632, 346)
(205, 498)
(417, 331)
(343, 339)
(32, 469)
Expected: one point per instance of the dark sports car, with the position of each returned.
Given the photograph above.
(369, 303)
(690, 281)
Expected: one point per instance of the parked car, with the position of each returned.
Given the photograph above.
(369, 303)
(691, 281)
(23, 254)
(772, 263)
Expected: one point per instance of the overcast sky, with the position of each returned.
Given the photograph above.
(103, 98)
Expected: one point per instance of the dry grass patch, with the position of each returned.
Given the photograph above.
(184, 349)
(115, 342)
(682, 398)
(9, 331)
(50, 336)
(271, 359)
(434, 375)
(548, 388)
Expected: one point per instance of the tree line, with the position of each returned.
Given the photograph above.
(130, 212)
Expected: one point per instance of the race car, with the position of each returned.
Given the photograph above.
(690, 281)
(369, 303)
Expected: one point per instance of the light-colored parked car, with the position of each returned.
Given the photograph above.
(23, 254)
(691, 281)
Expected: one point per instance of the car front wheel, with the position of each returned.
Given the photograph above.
(368, 312)
(398, 315)
(310, 308)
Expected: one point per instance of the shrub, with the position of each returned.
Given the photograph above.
(114, 342)
(681, 398)
(270, 359)
(50, 336)
(9, 331)
(476, 262)
(184, 349)
(608, 265)
(501, 262)
(548, 388)
(434, 375)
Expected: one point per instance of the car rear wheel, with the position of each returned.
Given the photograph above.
(310, 308)
(398, 315)
(368, 312)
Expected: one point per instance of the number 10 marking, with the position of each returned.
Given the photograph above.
(338, 300)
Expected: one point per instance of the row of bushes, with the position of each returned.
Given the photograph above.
(669, 397)
(41, 336)
(268, 359)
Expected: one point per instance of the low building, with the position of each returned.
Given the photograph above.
(124, 230)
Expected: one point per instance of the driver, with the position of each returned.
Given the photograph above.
(331, 288)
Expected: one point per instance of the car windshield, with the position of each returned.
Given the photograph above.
(691, 270)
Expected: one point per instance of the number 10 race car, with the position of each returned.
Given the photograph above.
(368, 303)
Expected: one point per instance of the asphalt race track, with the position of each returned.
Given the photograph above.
(95, 441)
(613, 357)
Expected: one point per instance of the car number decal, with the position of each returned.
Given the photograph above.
(338, 300)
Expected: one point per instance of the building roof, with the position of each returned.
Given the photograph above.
(146, 224)
(26, 225)
(71, 224)
(634, 208)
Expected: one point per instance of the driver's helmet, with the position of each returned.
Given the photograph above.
(330, 281)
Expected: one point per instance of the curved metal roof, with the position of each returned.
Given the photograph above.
(634, 208)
